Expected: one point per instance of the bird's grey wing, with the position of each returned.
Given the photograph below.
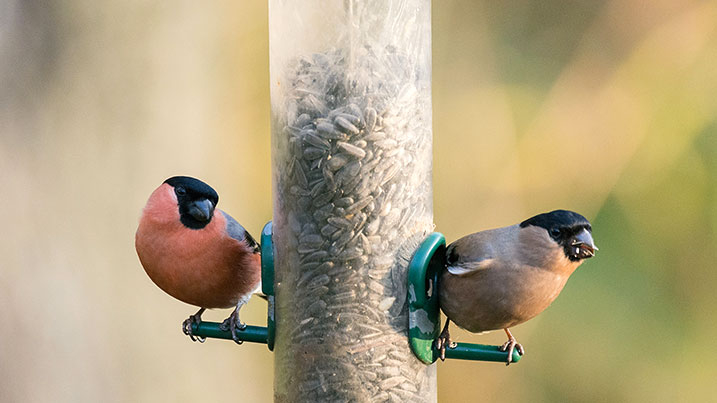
(474, 252)
(236, 231)
(466, 268)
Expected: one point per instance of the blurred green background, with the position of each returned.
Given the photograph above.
(607, 108)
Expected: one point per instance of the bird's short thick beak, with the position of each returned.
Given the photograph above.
(584, 242)
(201, 210)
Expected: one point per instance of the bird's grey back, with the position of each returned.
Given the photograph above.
(483, 245)
(236, 231)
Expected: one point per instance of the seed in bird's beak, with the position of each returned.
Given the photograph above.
(583, 241)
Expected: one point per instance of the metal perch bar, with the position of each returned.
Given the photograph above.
(253, 334)
(478, 352)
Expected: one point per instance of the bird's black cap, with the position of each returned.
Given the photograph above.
(194, 187)
(557, 218)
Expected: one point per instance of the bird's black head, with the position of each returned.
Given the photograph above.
(196, 201)
(569, 229)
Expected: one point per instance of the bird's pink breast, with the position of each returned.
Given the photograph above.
(203, 267)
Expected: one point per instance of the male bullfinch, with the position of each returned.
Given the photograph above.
(196, 252)
(499, 278)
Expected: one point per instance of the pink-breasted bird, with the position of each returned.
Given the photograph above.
(499, 278)
(197, 253)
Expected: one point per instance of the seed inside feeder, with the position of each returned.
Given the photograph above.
(353, 189)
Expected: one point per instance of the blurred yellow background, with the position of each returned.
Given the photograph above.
(607, 108)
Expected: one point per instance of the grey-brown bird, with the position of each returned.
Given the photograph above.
(499, 278)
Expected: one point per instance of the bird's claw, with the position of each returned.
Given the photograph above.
(232, 323)
(510, 346)
(444, 341)
(187, 326)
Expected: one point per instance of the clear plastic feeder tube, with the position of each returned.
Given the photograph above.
(351, 155)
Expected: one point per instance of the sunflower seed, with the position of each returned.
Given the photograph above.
(328, 229)
(312, 153)
(345, 126)
(313, 139)
(359, 205)
(327, 130)
(340, 222)
(370, 117)
(351, 149)
(337, 161)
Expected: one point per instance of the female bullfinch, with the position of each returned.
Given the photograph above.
(499, 278)
(196, 252)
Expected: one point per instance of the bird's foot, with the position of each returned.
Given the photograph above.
(232, 323)
(444, 341)
(187, 326)
(510, 346)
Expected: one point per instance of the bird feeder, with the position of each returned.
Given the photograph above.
(351, 166)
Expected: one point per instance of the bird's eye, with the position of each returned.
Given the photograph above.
(180, 191)
(555, 232)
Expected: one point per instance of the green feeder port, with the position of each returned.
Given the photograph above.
(267, 281)
(424, 323)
